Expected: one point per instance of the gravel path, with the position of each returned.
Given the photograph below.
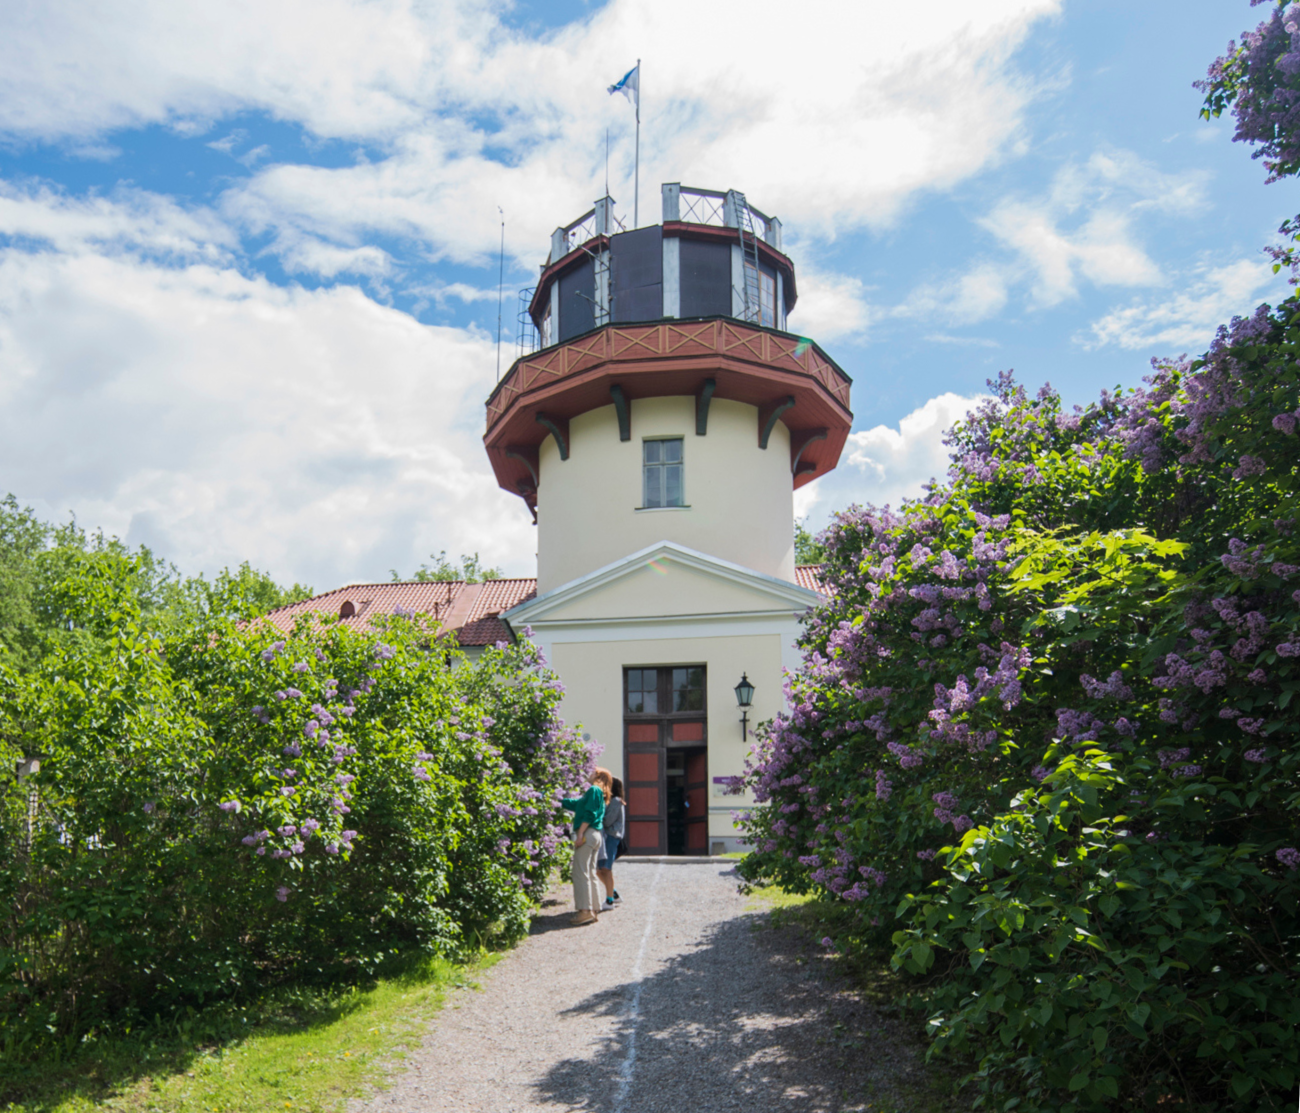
(679, 1000)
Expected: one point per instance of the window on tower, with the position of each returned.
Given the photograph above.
(662, 473)
(760, 293)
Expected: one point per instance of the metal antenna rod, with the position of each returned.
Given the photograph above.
(501, 279)
(636, 187)
(607, 162)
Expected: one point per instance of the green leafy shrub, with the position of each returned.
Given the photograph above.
(225, 806)
(1043, 743)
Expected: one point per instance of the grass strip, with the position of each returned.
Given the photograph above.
(298, 1048)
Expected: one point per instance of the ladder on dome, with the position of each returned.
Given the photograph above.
(749, 259)
(600, 307)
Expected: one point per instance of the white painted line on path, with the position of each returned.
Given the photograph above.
(633, 1016)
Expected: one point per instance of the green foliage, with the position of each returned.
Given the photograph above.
(1044, 747)
(807, 548)
(36, 557)
(310, 1046)
(470, 570)
(218, 806)
(1106, 964)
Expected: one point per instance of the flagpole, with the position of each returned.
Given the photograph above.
(636, 180)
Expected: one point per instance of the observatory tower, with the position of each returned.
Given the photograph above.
(656, 423)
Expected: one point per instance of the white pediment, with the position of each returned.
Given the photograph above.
(664, 582)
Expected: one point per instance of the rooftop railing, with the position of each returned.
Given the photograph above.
(599, 220)
(721, 209)
(727, 209)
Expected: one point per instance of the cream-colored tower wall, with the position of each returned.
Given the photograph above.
(593, 695)
(740, 498)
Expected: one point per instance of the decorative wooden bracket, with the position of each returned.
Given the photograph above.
(703, 397)
(624, 413)
(529, 495)
(798, 466)
(768, 416)
(526, 456)
(559, 429)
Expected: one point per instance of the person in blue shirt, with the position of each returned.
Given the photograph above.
(588, 818)
(610, 836)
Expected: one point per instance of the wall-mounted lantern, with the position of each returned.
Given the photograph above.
(745, 698)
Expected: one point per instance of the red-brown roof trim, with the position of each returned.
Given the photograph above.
(470, 610)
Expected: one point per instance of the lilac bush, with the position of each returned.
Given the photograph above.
(1042, 749)
(1258, 79)
(232, 805)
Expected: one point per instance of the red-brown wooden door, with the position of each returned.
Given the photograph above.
(644, 780)
(697, 801)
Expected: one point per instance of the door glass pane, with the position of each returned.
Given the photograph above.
(642, 694)
(688, 689)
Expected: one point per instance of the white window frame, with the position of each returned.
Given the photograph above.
(660, 468)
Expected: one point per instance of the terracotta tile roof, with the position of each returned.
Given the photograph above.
(469, 609)
(810, 576)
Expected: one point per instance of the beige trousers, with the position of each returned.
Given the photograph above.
(586, 885)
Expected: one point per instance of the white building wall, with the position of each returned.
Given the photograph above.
(592, 672)
(740, 498)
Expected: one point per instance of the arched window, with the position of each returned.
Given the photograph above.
(347, 610)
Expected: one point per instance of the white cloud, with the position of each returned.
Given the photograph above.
(831, 131)
(341, 68)
(884, 465)
(127, 220)
(217, 417)
(227, 143)
(152, 385)
(830, 306)
(1186, 321)
(1086, 225)
(975, 296)
(963, 341)
(304, 254)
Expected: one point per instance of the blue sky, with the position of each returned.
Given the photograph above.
(248, 252)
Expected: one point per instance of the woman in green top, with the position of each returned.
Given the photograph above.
(588, 817)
